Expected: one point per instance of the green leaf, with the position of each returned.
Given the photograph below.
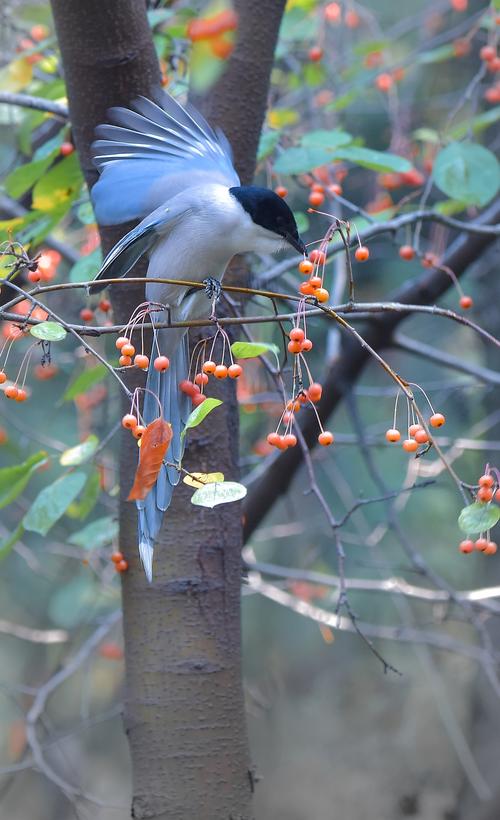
(13, 480)
(8, 544)
(467, 172)
(95, 535)
(88, 498)
(437, 55)
(476, 124)
(250, 350)
(302, 221)
(478, 517)
(426, 135)
(221, 492)
(381, 161)
(48, 331)
(344, 100)
(87, 266)
(301, 160)
(199, 413)
(267, 144)
(80, 600)
(326, 139)
(80, 453)
(85, 213)
(52, 502)
(85, 381)
(59, 184)
(24, 177)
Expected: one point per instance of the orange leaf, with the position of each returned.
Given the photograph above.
(154, 445)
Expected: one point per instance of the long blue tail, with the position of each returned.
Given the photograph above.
(176, 407)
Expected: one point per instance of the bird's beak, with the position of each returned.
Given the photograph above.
(296, 243)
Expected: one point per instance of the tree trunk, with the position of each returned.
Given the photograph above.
(184, 709)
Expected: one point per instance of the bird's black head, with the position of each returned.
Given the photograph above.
(269, 211)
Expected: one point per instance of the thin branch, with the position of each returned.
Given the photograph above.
(37, 103)
(483, 374)
(25, 633)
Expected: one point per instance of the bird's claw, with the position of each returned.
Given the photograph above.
(213, 289)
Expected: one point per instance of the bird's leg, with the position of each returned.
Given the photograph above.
(213, 289)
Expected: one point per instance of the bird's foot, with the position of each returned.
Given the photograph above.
(213, 289)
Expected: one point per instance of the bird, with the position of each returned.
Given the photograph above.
(160, 162)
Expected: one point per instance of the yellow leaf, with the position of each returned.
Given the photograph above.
(16, 75)
(279, 117)
(200, 479)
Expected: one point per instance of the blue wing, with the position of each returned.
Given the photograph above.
(149, 154)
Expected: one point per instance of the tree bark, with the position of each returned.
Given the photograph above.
(184, 709)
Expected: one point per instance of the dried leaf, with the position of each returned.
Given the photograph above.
(154, 445)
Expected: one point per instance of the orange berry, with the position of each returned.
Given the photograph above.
(352, 19)
(484, 494)
(318, 257)
(138, 431)
(273, 439)
(187, 387)
(306, 345)
(406, 252)
(11, 391)
(315, 392)
(3, 435)
(325, 438)
(121, 566)
(128, 350)
(281, 191)
(315, 54)
(141, 361)
(44, 372)
(66, 149)
(410, 445)
(281, 443)
(332, 12)
(487, 53)
(21, 394)
(220, 371)
(459, 5)
(317, 186)
(201, 378)
(316, 198)
(116, 557)
(104, 305)
(86, 315)
(209, 367)
(125, 361)
(437, 420)
(294, 347)
(486, 480)
(111, 651)
(430, 260)
(39, 32)
(497, 495)
(161, 363)
(129, 421)
(34, 275)
(412, 429)
(384, 82)
(491, 548)
(392, 434)
(481, 544)
(296, 334)
(421, 436)
(234, 371)
(322, 295)
(3, 377)
(335, 189)
(122, 340)
(290, 440)
(306, 267)
(197, 399)
(362, 253)
(461, 47)
(466, 302)
(315, 282)
(466, 546)
(306, 289)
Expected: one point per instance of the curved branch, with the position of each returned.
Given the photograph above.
(37, 103)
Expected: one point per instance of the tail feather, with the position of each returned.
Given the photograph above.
(175, 408)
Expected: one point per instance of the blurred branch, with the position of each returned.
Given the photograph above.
(483, 374)
(25, 633)
(37, 103)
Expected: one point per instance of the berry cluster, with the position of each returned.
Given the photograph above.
(417, 434)
(87, 314)
(46, 269)
(121, 564)
(204, 367)
(298, 345)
